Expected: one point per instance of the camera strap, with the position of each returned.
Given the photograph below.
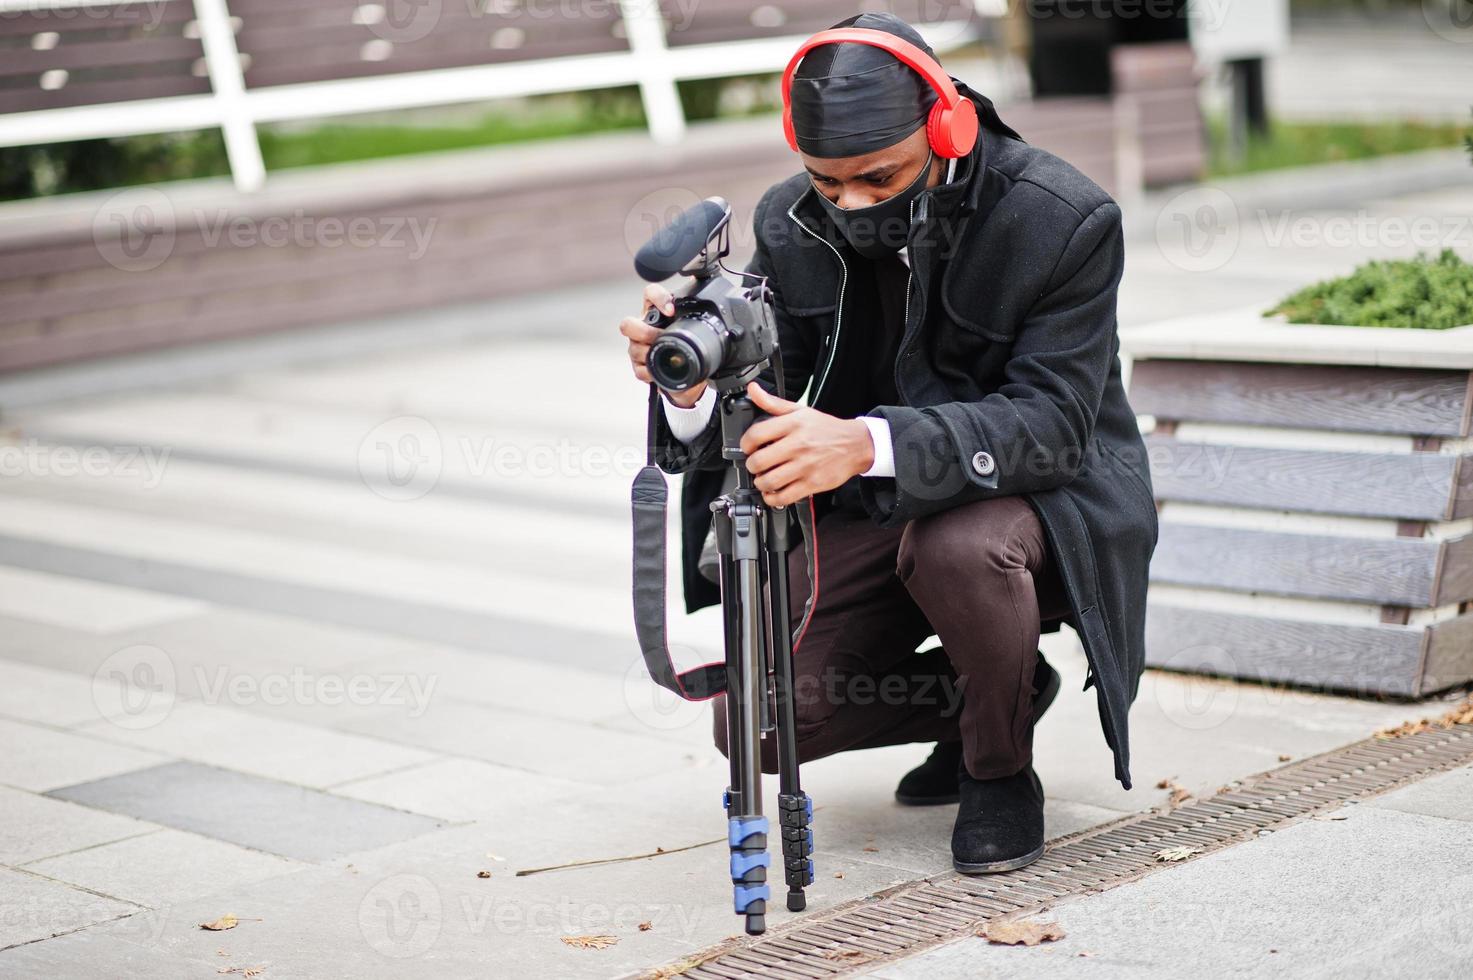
(649, 496)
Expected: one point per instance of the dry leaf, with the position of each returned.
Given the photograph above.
(848, 955)
(871, 849)
(838, 874)
(483, 874)
(1014, 932)
(221, 924)
(1461, 714)
(646, 926)
(1179, 793)
(1284, 757)
(1180, 853)
(590, 942)
(1404, 729)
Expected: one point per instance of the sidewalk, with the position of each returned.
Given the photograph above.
(1372, 890)
(314, 645)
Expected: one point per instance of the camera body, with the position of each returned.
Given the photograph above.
(721, 332)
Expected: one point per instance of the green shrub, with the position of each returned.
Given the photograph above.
(1425, 293)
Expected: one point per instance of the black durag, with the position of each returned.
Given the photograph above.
(851, 99)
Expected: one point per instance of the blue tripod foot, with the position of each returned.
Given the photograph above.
(747, 837)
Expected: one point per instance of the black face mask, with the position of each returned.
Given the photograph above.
(881, 229)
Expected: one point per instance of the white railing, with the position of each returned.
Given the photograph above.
(236, 109)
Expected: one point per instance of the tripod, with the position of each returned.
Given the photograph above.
(753, 541)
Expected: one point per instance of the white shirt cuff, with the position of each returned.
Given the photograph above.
(879, 433)
(687, 423)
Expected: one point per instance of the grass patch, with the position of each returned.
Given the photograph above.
(61, 168)
(1422, 293)
(1297, 144)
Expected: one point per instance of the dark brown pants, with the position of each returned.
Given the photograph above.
(979, 577)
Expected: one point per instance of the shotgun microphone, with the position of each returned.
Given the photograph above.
(678, 244)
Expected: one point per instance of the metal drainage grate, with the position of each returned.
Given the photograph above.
(910, 917)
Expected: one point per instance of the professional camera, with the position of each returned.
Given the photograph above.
(720, 332)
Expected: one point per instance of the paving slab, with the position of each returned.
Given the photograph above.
(92, 606)
(1448, 794)
(275, 817)
(162, 868)
(93, 953)
(38, 758)
(34, 827)
(461, 790)
(53, 697)
(1380, 893)
(547, 745)
(237, 739)
(36, 908)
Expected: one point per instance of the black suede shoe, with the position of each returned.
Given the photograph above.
(934, 782)
(999, 825)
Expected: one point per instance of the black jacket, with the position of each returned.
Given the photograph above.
(1008, 373)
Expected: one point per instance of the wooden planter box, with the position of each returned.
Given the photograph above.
(1316, 511)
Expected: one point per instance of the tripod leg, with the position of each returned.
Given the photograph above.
(795, 808)
(746, 683)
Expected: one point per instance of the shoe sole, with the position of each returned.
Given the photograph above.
(1040, 705)
(995, 867)
(927, 800)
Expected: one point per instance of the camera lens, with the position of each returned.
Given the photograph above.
(685, 355)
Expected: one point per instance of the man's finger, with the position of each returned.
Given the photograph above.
(768, 430)
(659, 297)
(778, 477)
(638, 331)
(769, 457)
(769, 403)
(790, 494)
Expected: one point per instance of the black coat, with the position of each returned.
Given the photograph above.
(1009, 352)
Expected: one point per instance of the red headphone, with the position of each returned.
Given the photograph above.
(952, 125)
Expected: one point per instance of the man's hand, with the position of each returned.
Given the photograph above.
(801, 451)
(641, 335)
